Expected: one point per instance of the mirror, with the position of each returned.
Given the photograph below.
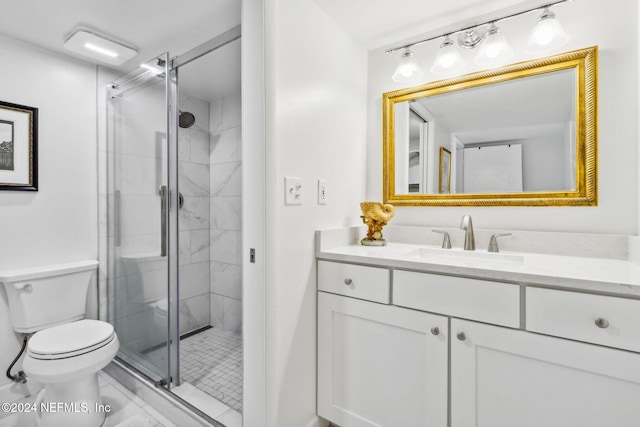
(520, 135)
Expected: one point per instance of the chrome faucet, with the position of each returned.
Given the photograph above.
(469, 240)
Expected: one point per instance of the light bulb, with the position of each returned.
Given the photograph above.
(547, 34)
(448, 59)
(407, 69)
(495, 48)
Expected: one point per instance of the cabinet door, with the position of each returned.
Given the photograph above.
(505, 377)
(380, 365)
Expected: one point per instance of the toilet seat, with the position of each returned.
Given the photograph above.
(78, 351)
(70, 340)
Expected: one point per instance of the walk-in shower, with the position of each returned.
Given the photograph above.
(174, 209)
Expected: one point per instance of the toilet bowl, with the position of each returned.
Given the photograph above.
(65, 351)
(66, 359)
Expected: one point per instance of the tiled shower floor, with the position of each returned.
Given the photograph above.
(211, 361)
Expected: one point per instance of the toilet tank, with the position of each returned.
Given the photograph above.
(45, 296)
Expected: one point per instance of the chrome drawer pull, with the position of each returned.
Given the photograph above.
(461, 336)
(348, 281)
(602, 323)
(435, 330)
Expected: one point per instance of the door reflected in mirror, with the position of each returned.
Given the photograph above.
(524, 134)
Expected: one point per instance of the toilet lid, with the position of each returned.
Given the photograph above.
(70, 339)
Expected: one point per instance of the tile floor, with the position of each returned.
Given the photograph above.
(212, 362)
(129, 410)
(126, 409)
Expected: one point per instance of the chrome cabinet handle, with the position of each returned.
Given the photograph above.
(461, 336)
(435, 330)
(348, 281)
(602, 323)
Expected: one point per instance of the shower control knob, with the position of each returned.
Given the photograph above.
(461, 336)
(348, 281)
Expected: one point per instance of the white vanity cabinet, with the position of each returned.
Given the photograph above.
(503, 355)
(503, 377)
(380, 365)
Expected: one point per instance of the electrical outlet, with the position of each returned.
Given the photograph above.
(292, 190)
(322, 191)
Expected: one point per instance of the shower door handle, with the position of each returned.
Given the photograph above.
(116, 217)
(164, 209)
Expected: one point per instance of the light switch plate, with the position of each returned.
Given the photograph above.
(322, 191)
(292, 190)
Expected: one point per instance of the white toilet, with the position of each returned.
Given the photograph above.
(66, 351)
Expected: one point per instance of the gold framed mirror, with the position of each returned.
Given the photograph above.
(519, 135)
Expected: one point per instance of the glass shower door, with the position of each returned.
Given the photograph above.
(143, 261)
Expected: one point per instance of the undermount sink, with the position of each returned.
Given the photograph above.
(435, 253)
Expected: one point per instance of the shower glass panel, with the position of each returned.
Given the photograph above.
(174, 211)
(140, 214)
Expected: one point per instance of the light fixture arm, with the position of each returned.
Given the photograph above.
(473, 28)
(471, 38)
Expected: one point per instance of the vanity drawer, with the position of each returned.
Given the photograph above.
(610, 321)
(475, 299)
(358, 281)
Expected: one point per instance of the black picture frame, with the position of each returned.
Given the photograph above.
(18, 147)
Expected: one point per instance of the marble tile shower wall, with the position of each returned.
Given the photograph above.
(195, 216)
(226, 212)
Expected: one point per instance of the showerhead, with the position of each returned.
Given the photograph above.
(186, 119)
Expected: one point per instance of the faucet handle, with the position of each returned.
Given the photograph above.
(493, 242)
(446, 241)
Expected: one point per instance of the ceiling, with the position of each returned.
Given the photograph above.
(150, 26)
(378, 23)
(155, 26)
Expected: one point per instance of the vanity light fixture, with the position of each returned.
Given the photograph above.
(408, 69)
(494, 48)
(99, 48)
(448, 59)
(547, 34)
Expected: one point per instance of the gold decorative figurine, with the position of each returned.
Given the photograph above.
(375, 215)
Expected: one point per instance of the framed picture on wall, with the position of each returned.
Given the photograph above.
(18, 147)
(444, 183)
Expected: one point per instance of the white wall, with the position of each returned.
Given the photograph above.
(253, 212)
(59, 222)
(316, 128)
(617, 38)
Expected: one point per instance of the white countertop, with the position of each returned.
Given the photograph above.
(611, 276)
